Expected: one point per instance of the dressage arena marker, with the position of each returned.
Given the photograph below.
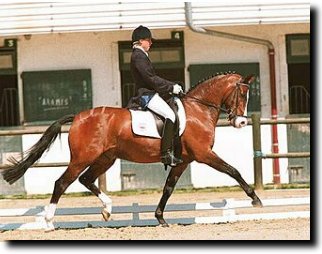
(227, 206)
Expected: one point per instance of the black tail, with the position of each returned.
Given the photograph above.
(19, 168)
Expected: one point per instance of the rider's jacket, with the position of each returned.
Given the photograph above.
(145, 78)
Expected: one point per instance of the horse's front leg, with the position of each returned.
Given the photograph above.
(168, 188)
(214, 161)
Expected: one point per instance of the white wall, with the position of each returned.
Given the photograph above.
(42, 180)
(201, 48)
(235, 146)
(99, 52)
(95, 51)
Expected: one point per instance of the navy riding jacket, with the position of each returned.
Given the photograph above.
(146, 80)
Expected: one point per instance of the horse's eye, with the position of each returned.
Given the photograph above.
(243, 93)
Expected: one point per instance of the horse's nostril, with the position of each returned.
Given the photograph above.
(240, 122)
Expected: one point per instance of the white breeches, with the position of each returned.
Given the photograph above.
(159, 106)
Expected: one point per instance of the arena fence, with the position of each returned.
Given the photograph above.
(25, 130)
(257, 147)
(255, 121)
(229, 209)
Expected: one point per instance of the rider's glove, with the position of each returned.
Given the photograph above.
(177, 89)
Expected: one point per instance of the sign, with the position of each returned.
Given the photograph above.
(49, 95)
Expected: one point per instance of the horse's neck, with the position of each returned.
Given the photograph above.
(207, 115)
(208, 92)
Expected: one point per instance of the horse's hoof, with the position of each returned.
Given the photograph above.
(47, 230)
(165, 225)
(257, 203)
(49, 227)
(106, 215)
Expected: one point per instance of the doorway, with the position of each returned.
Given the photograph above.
(298, 135)
(168, 60)
(299, 88)
(298, 64)
(9, 110)
(9, 105)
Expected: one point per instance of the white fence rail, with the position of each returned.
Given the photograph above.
(228, 207)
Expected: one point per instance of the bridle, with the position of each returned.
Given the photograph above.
(236, 93)
(231, 112)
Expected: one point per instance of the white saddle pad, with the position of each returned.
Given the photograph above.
(143, 122)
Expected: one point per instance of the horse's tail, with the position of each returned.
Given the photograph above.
(19, 168)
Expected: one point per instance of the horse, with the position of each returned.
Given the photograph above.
(98, 136)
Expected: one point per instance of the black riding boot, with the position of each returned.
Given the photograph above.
(167, 157)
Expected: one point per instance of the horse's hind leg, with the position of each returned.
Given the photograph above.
(102, 164)
(168, 188)
(214, 161)
(66, 179)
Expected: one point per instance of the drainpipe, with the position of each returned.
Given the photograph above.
(271, 56)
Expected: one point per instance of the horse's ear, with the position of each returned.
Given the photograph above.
(249, 79)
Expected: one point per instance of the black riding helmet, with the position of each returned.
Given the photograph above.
(141, 32)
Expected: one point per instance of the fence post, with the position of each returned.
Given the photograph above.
(257, 147)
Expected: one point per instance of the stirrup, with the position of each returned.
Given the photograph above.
(169, 159)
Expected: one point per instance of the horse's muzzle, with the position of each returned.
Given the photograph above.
(239, 121)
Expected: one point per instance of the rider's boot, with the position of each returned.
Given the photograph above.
(167, 157)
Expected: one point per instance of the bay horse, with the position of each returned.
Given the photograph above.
(97, 137)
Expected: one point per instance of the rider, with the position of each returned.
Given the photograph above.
(153, 91)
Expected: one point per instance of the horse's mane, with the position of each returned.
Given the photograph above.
(214, 77)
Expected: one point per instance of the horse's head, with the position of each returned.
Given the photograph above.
(230, 90)
(236, 99)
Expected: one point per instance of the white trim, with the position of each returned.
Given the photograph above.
(53, 17)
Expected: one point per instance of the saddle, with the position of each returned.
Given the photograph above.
(149, 124)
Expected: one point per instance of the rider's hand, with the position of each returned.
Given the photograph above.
(177, 89)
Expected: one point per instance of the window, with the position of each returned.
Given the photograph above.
(6, 61)
(49, 95)
(298, 48)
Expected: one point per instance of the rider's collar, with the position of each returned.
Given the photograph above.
(139, 47)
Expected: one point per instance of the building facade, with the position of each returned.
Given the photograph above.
(98, 55)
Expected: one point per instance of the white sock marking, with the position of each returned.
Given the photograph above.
(107, 202)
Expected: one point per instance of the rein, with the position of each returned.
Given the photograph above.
(206, 103)
(228, 111)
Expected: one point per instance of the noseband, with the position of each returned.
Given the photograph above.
(231, 112)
